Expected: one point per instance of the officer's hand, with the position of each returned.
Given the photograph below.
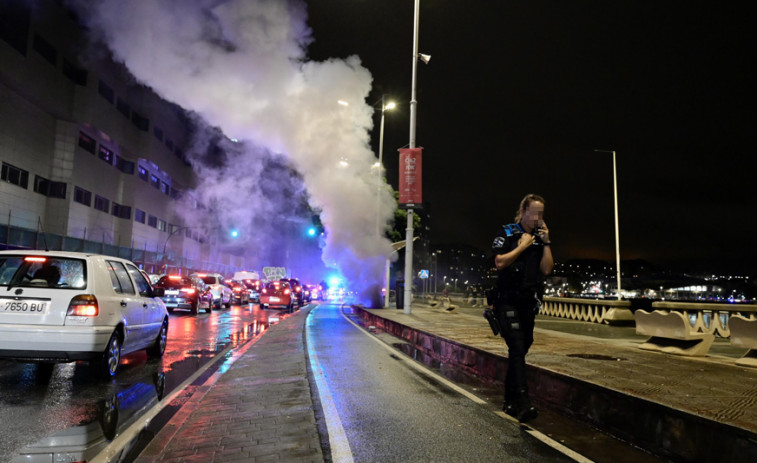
(544, 232)
(526, 240)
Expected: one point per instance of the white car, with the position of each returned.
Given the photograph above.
(222, 294)
(60, 306)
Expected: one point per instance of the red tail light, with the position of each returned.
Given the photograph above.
(188, 290)
(237, 290)
(83, 305)
(286, 291)
(35, 259)
(174, 277)
(297, 288)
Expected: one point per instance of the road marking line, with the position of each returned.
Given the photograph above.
(340, 446)
(538, 435)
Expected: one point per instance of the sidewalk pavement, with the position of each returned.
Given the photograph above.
(260, 410)
(690, 409)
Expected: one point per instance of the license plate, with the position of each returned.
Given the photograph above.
(172, 292)
(27, 307)
(275, 299)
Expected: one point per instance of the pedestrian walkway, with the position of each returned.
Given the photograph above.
(695, 409)
(692, 409)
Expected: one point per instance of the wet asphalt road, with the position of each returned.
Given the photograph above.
(73, 406)
(391, 412)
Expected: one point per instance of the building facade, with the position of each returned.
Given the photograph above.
(89, 155)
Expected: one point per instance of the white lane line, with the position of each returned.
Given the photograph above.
(412, 363)
(340, 446)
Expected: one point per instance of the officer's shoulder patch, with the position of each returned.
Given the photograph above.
(498, 242)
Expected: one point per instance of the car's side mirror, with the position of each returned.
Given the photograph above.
(158, 292)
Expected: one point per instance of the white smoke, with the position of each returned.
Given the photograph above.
(241, 65)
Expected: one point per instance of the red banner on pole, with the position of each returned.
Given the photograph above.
(411, 169)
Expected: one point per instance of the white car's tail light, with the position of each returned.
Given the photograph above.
(83, 305)
(188, 290)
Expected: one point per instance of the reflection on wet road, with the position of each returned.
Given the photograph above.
(68, 409)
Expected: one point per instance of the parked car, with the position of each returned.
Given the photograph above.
(253, 288)
(186, 293)
(60, 306)
(312, 293)
(222, 294)
(240, 291)
(277, 294)
(296, 286)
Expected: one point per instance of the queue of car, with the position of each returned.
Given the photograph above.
(60, 307)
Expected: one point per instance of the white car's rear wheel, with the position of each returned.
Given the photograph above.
(159, 347)
(107, 365)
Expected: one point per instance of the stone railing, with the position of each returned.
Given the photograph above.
(588, 310)
(709, 318)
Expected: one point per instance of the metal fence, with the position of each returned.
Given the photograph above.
(12, 237)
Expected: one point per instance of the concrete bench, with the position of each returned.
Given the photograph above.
(671, 333)
(744, 334)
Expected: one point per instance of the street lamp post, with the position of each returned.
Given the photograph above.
(384, 107)
(409, 229)
(617, 233)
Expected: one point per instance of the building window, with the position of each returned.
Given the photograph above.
(169, 144)
(142, 123)
(179, 153)
(165, 189)
(176, 194)
(139, 215)
(16, 176)
(48, 188)
(124, 165)
(106, 92)
(105, 154)
(162, 226)
(158, 132)
(121, 211)
(45, 49)
(102, 204)
(142, 173)
(75, 74)
(123, 107)
(82, 196)
(155, 181)
(152, 221)
(87, 143)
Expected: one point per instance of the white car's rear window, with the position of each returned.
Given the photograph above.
(42, 272)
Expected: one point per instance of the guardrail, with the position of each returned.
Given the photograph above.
(589, 310)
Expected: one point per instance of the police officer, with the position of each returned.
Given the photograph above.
(523, 257)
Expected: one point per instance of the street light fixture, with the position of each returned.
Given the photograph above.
(617, 233)
(379, 167)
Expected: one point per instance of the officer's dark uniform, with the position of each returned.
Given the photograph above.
(516, 303)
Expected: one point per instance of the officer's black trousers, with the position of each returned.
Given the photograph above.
(516, 318)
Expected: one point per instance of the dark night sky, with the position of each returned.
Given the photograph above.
(518, 95)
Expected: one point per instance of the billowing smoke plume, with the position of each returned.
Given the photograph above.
(241, 66)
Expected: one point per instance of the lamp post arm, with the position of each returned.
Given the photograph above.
(171, 235)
